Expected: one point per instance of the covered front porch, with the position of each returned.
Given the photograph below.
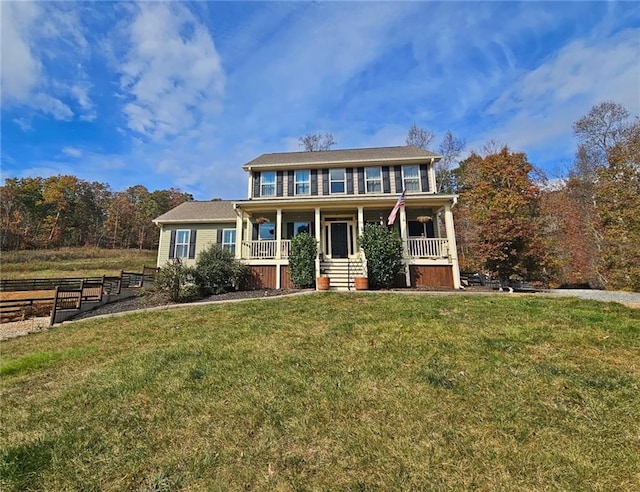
(264, 233)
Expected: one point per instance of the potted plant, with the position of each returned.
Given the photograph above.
(323, 282)
(361, 283)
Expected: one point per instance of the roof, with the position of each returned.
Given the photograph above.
(369, 155)
(216, 210)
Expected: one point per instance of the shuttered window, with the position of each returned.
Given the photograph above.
(303, 182)
(268, 183)
(182, 244)
(337, 178)
(373, 178)
(411, 178)
(229, 240)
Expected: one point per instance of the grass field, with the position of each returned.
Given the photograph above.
(73, 262)
(329, 392)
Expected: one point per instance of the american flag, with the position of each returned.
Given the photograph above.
(394, 212)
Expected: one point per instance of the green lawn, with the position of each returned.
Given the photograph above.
(74, 262)
(329, 392)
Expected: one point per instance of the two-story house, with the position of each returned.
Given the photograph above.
(331, 195)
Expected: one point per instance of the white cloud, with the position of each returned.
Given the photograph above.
(20, 68)
(72, 151)
(172, 74)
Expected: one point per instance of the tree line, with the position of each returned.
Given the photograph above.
(39, 213)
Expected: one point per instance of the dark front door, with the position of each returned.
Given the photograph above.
(339, 240)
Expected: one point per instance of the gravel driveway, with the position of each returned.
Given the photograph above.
(630, 299)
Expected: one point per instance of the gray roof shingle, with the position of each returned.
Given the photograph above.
(370, 155)
(221, 210)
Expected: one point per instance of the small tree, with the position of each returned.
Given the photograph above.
(217, 271)
(302, 260)
(383, 249)
(176, 280)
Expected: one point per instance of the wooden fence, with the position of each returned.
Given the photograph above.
(69, 295)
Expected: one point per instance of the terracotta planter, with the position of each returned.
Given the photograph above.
(323, 283)
(361, 283)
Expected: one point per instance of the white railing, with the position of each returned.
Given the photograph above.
(285, 248)
(428, 247)
(255, 250)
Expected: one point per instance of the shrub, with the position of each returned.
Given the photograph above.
(302, 258)
(176, 280)
(383, 249)
(217, 271)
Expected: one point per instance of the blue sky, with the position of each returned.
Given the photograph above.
(175, 94)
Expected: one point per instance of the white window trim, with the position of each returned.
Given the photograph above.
(184, 244)
(264, 184)
(229, 246)
(343, 181)
(404, 183)
(296, 182)
(367, 180)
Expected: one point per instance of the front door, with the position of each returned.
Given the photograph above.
(339, 241)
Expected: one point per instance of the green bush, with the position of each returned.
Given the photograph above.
(383, 250)
(176, 280)
(302, 260)
(217, 271)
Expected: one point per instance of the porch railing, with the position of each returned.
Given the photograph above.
(428, 247)
(255, 250)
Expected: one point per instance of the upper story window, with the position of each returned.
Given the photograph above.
(303, 182)
(268, 183)
(229, 240)
(182, 244)
(411, 178)
(337, 181)
(373, 179)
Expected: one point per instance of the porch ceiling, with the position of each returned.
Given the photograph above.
(335, 203)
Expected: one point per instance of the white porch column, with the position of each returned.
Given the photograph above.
(360, 221)
(318, 240)
(453, 248)
(239, 215)
(279, 248)
(279, 233)
(404, 236)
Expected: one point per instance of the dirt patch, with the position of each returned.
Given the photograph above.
(20, 328)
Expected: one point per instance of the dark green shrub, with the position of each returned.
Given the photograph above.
(217, 271)
(383, 250)
(176, 280)
(302, 260)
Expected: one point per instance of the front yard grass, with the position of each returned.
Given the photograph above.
(329, 392)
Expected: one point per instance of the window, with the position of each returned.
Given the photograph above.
(303, 182)
(182, 244)
(336, 178)
(268, 183)
(299, 227)
(266, 231)
(411, 178)
(229, 240)
(373, 179)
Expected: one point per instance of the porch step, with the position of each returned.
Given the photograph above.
(342, 272)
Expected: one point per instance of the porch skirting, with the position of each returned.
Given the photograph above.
(265, 276)
(431, 276)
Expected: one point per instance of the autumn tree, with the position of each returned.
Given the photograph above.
(606, 136)
(500, 198)
(313, 142)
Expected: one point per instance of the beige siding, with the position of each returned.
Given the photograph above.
(207, 234)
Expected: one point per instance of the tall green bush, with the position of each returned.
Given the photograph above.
(383, 250)
(217, 271)
(302, 258)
